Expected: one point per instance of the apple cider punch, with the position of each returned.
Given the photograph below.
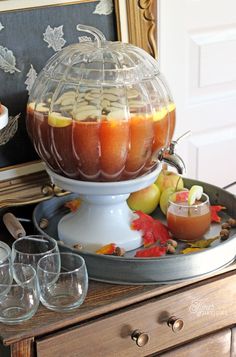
(188, 222)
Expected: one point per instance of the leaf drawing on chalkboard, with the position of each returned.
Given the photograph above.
(31, 76)
(104, 7)
(54, 37)
(1, 26)
(9, 131)
(7, 60)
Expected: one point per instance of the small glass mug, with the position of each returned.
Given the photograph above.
(29, 249)
(189, 222)
(21, 299)
(64, 290)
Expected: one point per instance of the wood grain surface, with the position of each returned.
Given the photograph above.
(202, 308)
(101, 299)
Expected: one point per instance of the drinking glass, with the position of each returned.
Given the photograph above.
(29, 249)
(21, 299)
(67, 289)
(5, 252)
(189, 222)
(6, 275)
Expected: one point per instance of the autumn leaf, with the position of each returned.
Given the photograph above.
(152, 230)
(156, 251)
(203, 243)
(191, 250)
(214, 213)
(73, 205)
(107, 249)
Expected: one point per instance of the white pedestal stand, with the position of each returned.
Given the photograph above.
(103, 216)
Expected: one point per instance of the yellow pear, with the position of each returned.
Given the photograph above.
(164, 199)
(145, 200)
(168, 179)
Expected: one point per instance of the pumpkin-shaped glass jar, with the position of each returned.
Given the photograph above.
(100, 111)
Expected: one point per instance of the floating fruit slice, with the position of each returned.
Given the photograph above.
(195, 193)
(171, 106)
(181, 196)
(160, 114)
(58, 121)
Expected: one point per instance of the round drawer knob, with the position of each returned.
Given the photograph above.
(175, 323)
(141, 338)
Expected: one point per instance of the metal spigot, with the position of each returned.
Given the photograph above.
(169, 155)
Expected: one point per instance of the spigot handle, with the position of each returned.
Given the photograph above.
(171, 148)
(184, 135)
(169, 156)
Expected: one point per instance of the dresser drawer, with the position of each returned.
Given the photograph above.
(217, 345)
(203, 309)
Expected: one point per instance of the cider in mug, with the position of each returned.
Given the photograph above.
(189, 222)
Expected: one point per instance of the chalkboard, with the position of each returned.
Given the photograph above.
(25, 46)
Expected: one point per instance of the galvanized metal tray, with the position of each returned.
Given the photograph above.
(163, 270)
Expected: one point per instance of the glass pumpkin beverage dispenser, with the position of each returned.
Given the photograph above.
(100, 112)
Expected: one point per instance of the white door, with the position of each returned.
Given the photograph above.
(197, 54)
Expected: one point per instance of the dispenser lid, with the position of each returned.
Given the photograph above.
(103, 61)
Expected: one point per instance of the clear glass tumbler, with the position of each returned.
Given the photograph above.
(29, 249)
(67, 289)
(21, 299)
(5, 252)
(6, 275)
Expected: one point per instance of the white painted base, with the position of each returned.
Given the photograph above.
(100, 220)
(104, 216)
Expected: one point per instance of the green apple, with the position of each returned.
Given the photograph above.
(175, 196)
(164, 199)
(145, 200)
(168, 179)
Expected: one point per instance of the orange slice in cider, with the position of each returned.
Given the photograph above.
(58, 121)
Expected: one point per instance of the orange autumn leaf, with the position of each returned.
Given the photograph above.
(73, 205)
(107, 249)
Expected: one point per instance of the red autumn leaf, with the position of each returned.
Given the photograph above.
(214, 213)
(160, 232)
(151, 252)
(148, 239)
(144, 222)
(152, 230)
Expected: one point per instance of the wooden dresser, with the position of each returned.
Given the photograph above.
(192, 318)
